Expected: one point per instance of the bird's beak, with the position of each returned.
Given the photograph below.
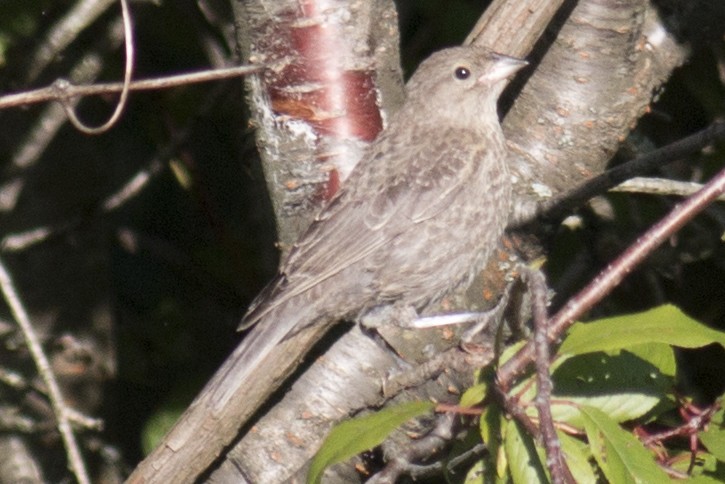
(504, 66)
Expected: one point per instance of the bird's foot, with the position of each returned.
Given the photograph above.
(401, 315)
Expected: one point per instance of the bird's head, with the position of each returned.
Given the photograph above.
(461, 81)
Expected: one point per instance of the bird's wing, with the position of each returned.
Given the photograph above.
(357, 222)
(430, 184)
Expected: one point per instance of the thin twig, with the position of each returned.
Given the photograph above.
(75, 460)
(660, 186)
(555, 462)
(610, 277)
(49, 122)
(64, 89)
(77, 19)
(127, 74)
(417, 450)
(557, 207)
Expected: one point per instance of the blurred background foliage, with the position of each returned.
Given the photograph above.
(187, 254)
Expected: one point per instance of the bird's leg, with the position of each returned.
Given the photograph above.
(481, 319)
(494, 314)
(401, 315)
(406, 317)
(515, 303)
(451, 318)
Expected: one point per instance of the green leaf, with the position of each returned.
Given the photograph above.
(622, 457)
(679, 461)
(577, 458)
(661, 355)
(524, 463)
(714, 437)
(475, 473)
(623, 386)
(510, 351)
(474, 395)
(491, 424)
(664, 324)
(527, 459)
(360, 434)
(703, 480)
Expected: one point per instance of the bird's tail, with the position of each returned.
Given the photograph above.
(256, 368)
(256, 361)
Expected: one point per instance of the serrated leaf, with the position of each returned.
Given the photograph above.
(622, 458)
(664, 324)
(623, 386)
(524, 464)
(360, 434)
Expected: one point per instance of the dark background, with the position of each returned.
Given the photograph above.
(201, 252)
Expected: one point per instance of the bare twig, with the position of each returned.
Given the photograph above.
(431, 444)
(660, 186)
(128, 72)
(610, 277)
(696, 420)
(559, 206)
(65, 31)
(558, 467)
(63, 90)
(49, 122)
(75, 460)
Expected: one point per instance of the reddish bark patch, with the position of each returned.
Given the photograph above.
(315, 87)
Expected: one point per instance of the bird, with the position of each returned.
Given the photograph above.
(418, 216)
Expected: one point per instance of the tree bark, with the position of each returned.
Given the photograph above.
(595, 66)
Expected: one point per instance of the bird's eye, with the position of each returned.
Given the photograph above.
(462, 73)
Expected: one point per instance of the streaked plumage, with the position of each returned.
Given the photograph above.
(418, 216)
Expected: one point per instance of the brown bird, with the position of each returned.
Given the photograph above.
(419, 215)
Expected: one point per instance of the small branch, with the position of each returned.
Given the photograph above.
(610, 277)
(512, 407)
(555, 462)
(24, 240)
(60, 409)
(48, 123)
(422, 448)
(62, 89)
(557, 207)
(127, 73)
(660, 186)
(64, 32)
